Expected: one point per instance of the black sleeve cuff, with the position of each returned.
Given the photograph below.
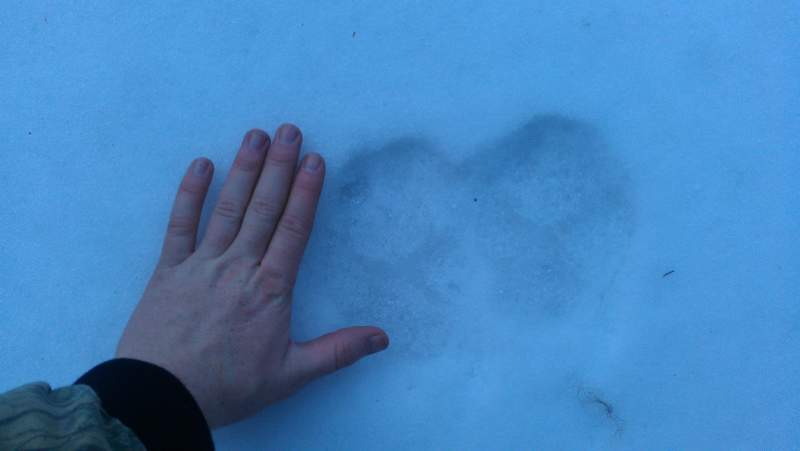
(152, 402)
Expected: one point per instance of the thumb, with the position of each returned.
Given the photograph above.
(336, 350)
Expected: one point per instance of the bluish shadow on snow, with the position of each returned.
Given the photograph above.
(410, 241)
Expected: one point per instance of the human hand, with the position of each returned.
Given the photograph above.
(218, 317)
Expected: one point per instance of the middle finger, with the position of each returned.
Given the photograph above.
(270, 196)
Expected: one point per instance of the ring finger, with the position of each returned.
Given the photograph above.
(269, 199)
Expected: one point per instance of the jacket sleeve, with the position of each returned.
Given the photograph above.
(34, 416)
(118, 404)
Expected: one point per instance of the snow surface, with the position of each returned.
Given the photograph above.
(577, 221)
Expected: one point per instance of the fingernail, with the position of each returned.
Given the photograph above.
(378, 342)
(311, 162)
(200, 167)
(256, 140)
(288, 133)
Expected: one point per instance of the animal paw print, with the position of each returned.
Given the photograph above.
(525, 229)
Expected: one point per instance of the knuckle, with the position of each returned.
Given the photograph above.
(228, 209)
(239, 263)
(307, 183)
(266, 209)
(343, 355)
(294, 227)
(282, 156)
(180, 226)
(246, 165)
(192, 188)
(276, 282)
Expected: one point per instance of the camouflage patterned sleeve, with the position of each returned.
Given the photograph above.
(34, 416)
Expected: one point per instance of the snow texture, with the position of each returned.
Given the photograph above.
(577, 221)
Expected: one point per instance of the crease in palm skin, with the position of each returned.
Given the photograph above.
(217, 314)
